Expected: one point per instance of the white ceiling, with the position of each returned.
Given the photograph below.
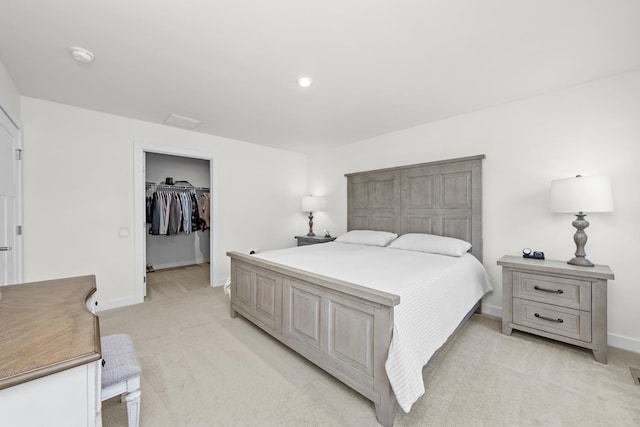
(378, 65)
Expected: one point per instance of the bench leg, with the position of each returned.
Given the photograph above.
(133, 407)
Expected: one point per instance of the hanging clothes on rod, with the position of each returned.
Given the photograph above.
(174, 209)
(204, 213)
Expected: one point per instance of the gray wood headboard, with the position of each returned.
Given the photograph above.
(443, 198)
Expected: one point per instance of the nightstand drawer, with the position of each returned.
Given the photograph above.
(554, 290)
(557, 320)
(312, 240)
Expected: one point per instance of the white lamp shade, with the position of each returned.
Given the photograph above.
(581, 194)
(311, 204)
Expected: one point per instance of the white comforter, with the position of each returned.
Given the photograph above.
(436, 292)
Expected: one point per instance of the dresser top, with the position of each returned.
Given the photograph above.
(46, 327)
(556, 267)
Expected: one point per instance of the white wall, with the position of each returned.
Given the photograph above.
(589, 129)
(78, 193)
(177, 249)
(78, 185)
(9, 96)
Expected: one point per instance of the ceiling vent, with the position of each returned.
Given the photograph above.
(182, 122)
(81, 55)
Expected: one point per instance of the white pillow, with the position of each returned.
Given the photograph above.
(367, 237)
(432, 244)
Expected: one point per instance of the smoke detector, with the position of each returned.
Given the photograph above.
(81, 55)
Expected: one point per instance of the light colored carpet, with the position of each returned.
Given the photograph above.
(202, 368)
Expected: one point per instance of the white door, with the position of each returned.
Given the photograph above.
(10, 198)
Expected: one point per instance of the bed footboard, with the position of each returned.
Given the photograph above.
(341, 327)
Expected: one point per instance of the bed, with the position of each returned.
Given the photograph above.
(350, 325)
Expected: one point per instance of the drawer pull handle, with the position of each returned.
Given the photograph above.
(549, 318)
(555, 291)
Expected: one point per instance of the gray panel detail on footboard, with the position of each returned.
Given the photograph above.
(343, 328)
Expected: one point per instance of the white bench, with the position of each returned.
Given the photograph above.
(121, 374)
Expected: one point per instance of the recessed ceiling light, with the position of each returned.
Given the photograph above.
(81, 55)
(304, 81)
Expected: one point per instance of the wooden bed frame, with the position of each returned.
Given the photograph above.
(342, 327)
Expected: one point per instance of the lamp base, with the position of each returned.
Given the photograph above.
(582, 262)
(581, 239)
(310, 233)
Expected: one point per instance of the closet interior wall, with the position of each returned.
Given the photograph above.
(167, 251)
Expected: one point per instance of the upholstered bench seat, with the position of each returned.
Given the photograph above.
(121, 374)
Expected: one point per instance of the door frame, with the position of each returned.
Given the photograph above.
(140, 226)
(15, 126)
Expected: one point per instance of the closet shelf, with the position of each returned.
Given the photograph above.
(175, 187)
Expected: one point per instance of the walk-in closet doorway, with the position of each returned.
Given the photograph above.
(179, 254)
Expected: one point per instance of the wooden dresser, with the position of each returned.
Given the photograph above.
(50, 372)
(556, 300)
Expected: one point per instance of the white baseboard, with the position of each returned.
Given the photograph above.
(179, 263)
(491, 310)
(115, 303)
(122, 302)
(614, 340)
(624, 343)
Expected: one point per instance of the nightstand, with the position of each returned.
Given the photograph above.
(312, 240)
(556, 300)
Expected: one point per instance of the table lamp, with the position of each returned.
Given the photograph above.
(579, 195)
(311, 204)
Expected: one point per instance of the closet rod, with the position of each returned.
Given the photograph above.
(176, 187)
